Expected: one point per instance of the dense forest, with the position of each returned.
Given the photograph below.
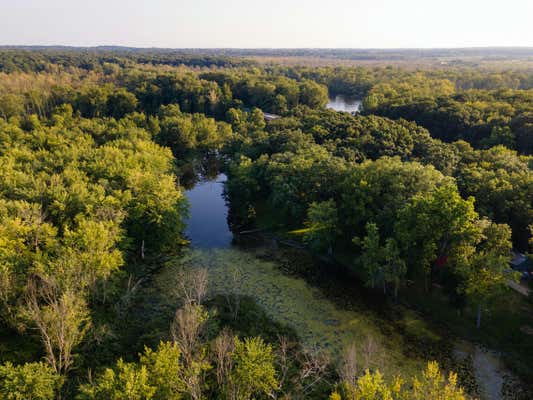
(420, 199)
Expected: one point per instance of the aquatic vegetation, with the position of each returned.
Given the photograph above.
(293, 302)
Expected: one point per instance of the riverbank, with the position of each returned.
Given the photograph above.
(328, 307)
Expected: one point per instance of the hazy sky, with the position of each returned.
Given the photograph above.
(268, 23)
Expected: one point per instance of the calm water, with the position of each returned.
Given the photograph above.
(342, 103)
(207, 226)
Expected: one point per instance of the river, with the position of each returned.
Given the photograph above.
(292, 300)
(343, 103)
(390, 344)
(207, 226)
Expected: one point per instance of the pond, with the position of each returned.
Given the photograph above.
(343, 103)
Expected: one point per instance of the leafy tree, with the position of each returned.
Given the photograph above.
(155, 211)
(483, 118)
(165, 370)
(433, 385)
(92, 101)
(313, 94)
(502, 183)
(120, 102)
(25, 240)
(185, 133)
(89, 253)
(371, 386)
(377, 191)
(30, 381)
(157, 376)
(127, 381)
(371, 259)
(296, 180)
(370, 102)
(434, 227)
(485, 268)
(381, 264)
(430, 385)
(253, 373)
(394, 266)
(11, 105)
(322, 225)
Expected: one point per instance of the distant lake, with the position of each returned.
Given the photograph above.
(343, 103)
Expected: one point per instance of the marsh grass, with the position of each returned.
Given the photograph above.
(318, 321)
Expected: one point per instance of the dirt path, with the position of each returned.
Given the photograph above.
(487, 367)
(489, 374)
(518, 287)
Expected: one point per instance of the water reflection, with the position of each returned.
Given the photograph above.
(343, 103)
(198, 170)
(207, 226)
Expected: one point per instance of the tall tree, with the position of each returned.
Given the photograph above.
(485, 268)
(371, 258)
(322, 225)
(62, 319)
(433, 226)
(394, 266)
(253, 372)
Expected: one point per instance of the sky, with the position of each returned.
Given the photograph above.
(268, 23)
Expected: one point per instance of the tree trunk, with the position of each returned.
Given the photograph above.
(142, 249)
(478, 319)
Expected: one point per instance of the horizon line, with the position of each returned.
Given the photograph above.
(99, 46)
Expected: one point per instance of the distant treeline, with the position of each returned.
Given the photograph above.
(380, 54)
(38, 59)
(24, 57)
